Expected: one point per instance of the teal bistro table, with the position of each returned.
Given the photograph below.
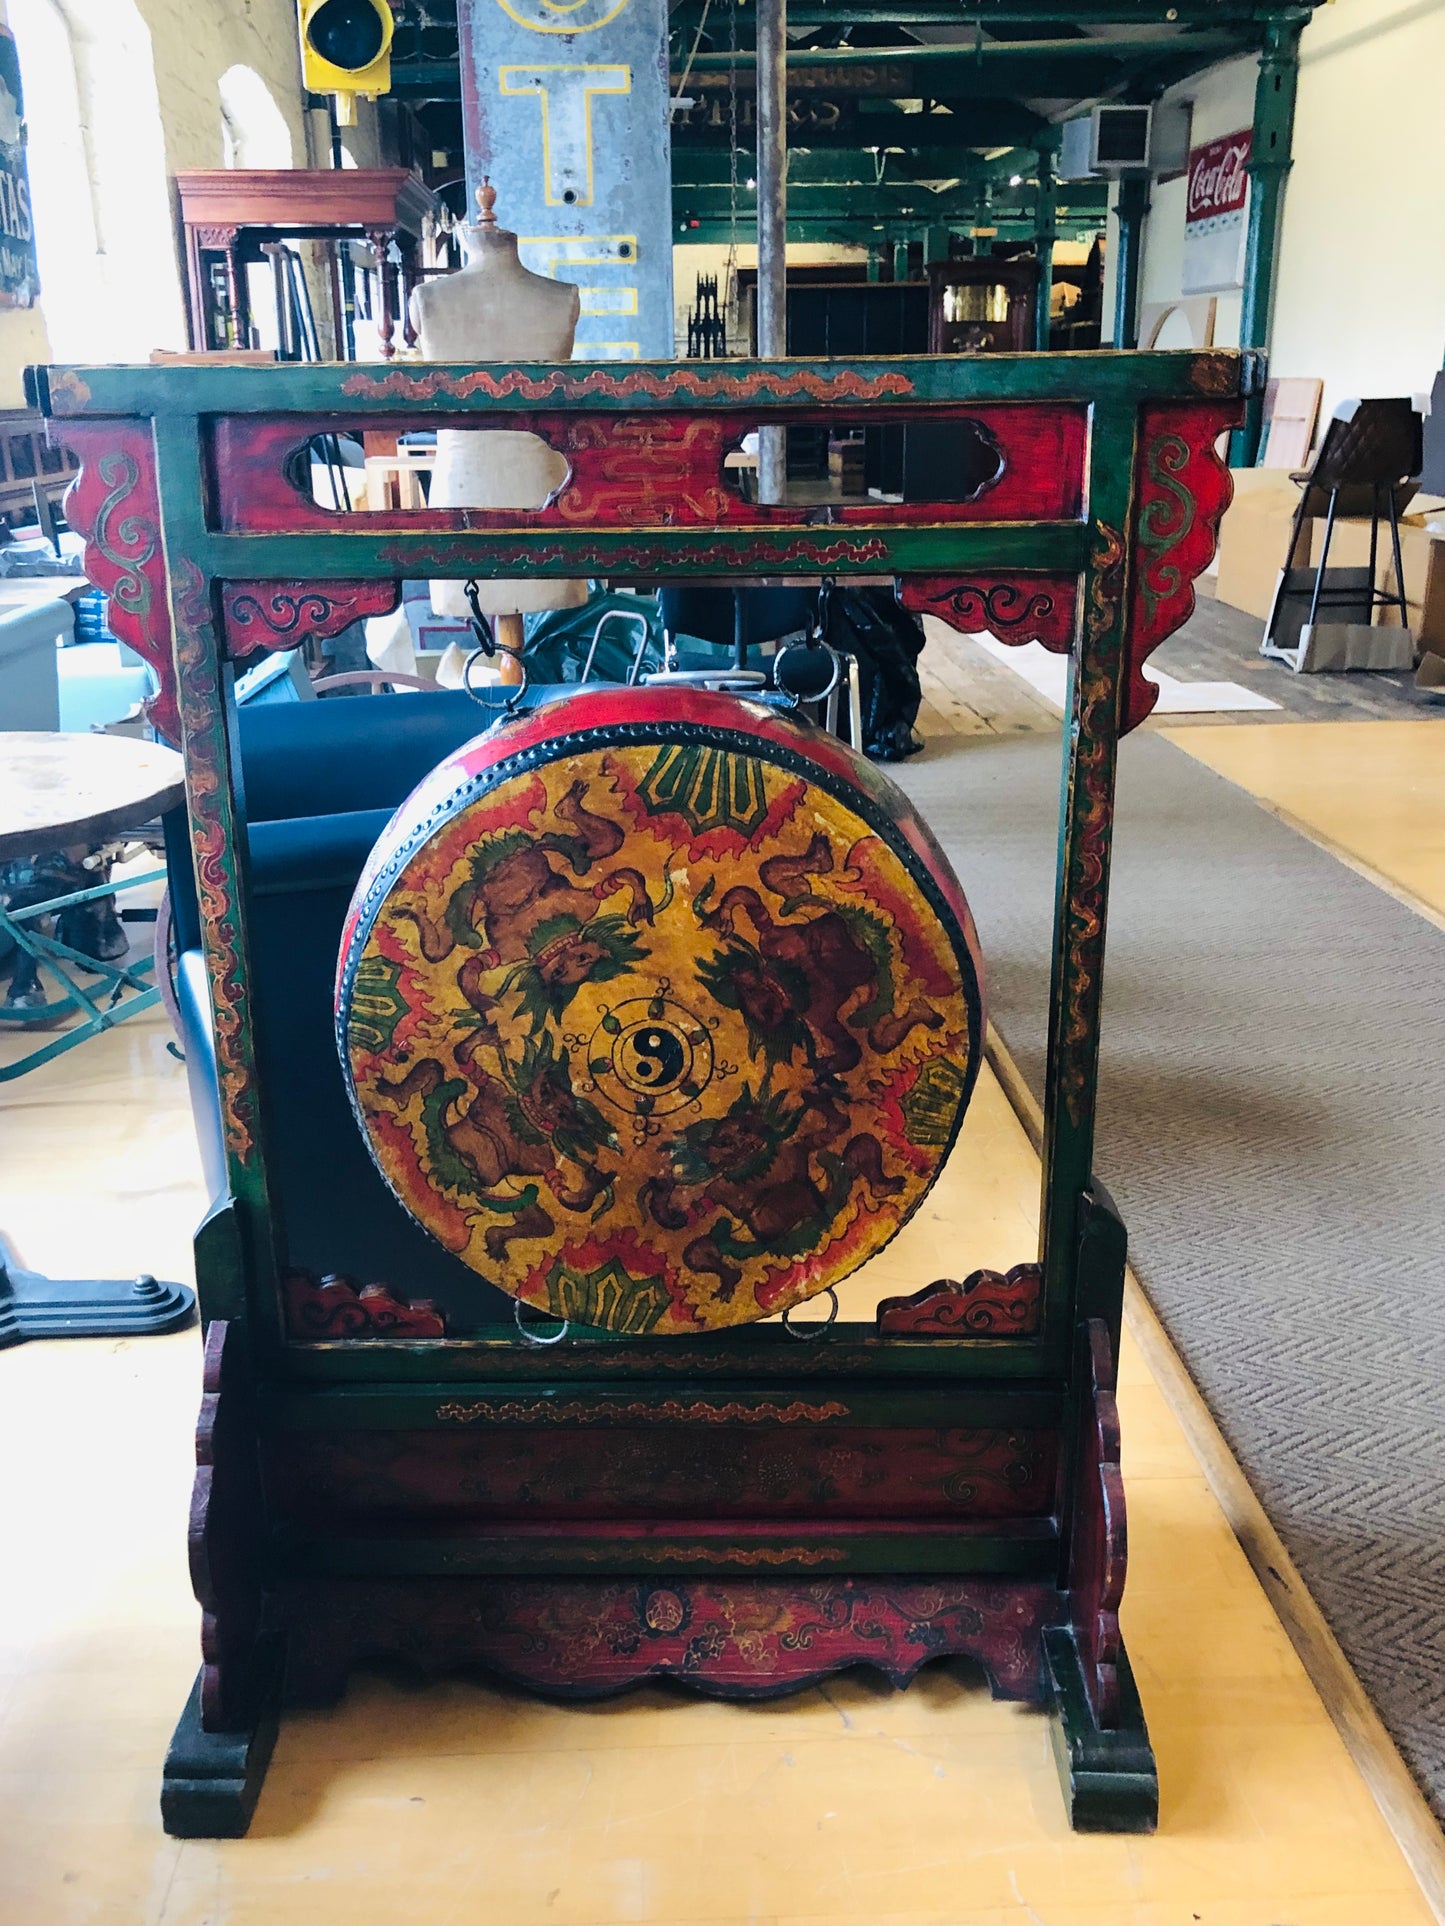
(60, 791)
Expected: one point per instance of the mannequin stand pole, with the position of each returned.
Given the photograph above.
(509, 634)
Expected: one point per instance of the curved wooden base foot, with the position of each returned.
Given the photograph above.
(1108, 1775)
(212, 1780)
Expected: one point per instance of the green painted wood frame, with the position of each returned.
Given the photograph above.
(1086, 533)
(1148, 509)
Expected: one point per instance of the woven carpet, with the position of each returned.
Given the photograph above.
(1272, 1126)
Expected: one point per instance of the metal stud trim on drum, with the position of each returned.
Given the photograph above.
(662, 1021)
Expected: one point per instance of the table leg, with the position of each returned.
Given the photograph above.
(35, 1306)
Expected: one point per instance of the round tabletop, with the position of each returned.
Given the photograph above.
(57, 789)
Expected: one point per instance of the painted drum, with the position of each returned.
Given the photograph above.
(659, 1009)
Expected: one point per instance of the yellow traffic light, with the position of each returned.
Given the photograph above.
(346, 48)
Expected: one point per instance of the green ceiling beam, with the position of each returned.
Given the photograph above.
(708, 167)
(945, 73)
(877, 123)
(1084, 13)
(907, 13)
(1025, 55)
(1068, 69)
(847, 230)
(427, 79)
(919, 204)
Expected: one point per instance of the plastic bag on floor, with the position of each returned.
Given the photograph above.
(886, 641)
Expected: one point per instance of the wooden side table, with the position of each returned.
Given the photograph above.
(56, 791)
(395, 481)
(232, 216)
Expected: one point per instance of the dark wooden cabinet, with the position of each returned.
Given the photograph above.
(235, 218)
(864, 317)
(981, 304)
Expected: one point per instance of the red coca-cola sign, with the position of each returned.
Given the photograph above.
(1218, 182)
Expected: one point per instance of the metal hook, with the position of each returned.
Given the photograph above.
(531, 1336)
(812, 1329)
(488, 648)
(821, 609)
(481, 627)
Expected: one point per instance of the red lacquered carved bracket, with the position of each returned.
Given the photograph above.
(336, 1307)
(1181, 490)
(282, 615)
(986, 1304)
(1098, 1554)
(1013, 608)
(113, 504)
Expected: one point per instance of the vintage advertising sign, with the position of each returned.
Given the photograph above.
(1216, 214)
(564, 105)
(19, 281)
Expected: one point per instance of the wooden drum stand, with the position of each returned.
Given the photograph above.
(345, 1434)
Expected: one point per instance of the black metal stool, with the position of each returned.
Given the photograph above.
(1368, 463)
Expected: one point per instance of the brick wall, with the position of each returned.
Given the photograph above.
(147, 80)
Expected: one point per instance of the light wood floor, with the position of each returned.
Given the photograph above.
(1374, 791)
(476, 1808)
(460, 1806)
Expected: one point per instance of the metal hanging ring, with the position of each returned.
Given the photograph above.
(488, 647)
(512, 692)
(531, 1336)
(810, 1332)
(809, 695)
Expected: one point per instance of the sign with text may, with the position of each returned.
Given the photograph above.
(1215, 215)
(19, 282)
(564, 105)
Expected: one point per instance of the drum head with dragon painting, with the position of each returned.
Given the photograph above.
(659, 1012)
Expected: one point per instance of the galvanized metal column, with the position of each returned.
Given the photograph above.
(565, 111)
(1133, 205)
(1269, 163)
(772, 177)
(1046, 232)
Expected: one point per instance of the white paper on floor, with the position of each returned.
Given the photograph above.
(1049, 675)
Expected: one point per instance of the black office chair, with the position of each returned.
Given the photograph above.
(739, 619)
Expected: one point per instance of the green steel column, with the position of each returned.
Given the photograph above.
(1269, 164)
(1133, 206)
(900, 260)
(1046, 232)
(935, 245)
(875, 261)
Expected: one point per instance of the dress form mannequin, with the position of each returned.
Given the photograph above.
(494, 309)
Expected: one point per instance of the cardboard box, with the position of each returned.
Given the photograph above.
(1253, 538)
(1255, 535)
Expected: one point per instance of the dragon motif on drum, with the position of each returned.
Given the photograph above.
(658, 1037)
